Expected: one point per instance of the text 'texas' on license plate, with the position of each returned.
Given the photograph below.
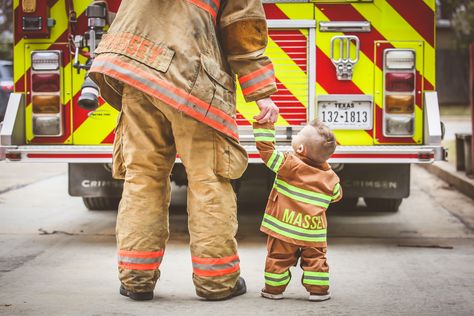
(346, 112)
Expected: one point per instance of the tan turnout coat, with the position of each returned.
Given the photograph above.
(187, 53)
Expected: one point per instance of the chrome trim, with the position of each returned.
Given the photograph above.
(432, 119)
(344, 26)
(289, 24)
(13, 128)
(438, 153)
(344, 63)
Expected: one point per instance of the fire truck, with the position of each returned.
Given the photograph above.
(366, 68)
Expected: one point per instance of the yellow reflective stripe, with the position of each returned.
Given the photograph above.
(361, 77)
(431, 4)
(277, 279)
(264, 135)
(290, 231)
(270, 132)
(337, 192)
(299, 91)
(384, 23)
(275, 161)
(302, 195)
(279, 162)
(316, 278)
(353, 137)
(93, 130)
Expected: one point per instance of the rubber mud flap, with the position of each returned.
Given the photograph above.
(93, 180)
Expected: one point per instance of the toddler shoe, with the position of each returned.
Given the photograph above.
(313, 297)
(271, 296)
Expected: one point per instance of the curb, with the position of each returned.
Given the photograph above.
(447, 172)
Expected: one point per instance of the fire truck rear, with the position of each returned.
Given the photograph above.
(365, 68)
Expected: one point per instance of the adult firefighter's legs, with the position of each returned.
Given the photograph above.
(315, 270)
(212, 207)
(145, 151)
(280, 257)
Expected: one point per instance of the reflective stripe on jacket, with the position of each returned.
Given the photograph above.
(187, 53)
(296, 209)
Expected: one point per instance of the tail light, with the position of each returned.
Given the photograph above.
(46, 93)
(400, 82)
(29, 6)
(403, 104)
(399, 92)
(6, 86)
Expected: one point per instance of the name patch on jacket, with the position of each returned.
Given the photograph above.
(141, 49)
(303, 221)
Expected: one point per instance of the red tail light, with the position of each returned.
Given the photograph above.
(45, 83)
(400, 82)
(6, 86)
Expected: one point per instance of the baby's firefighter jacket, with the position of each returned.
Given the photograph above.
(303, 190)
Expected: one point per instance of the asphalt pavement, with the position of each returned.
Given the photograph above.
(57, 258)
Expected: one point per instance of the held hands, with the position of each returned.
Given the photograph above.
(268, 111)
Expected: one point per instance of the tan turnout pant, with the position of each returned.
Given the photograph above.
(149, 134)
(282, 255)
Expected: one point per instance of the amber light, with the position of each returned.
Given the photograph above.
(46, 104)
(45, 82)
(400, 82)
(403, 104)
(29, 6)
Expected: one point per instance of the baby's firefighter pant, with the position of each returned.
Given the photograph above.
(282, 255)
(148, 137)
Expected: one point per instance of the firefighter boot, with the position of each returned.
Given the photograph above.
(137, 296)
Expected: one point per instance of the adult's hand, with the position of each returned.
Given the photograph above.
(268, 111)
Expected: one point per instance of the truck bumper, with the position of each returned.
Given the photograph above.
(343, 154)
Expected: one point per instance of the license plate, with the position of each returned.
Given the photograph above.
(346, 114)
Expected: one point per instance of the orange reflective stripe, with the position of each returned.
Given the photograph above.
(211, 6)
(140, 260)
(215, 260)
(261, 84)
(257, 79)
(210, 273)
(167, 93)
(136, 266)
(209, 267)
(256, 73)
(140, 254)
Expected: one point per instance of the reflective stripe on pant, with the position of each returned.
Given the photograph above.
(282, 255)
(149, 135)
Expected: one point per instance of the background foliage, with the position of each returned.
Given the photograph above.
(461, 15)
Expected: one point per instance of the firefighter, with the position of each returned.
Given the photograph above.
(295, 216)
(170, 67)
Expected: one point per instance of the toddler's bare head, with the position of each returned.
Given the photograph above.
(315, 141)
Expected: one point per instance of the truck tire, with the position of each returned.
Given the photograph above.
(383, 205)
(101, 203)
